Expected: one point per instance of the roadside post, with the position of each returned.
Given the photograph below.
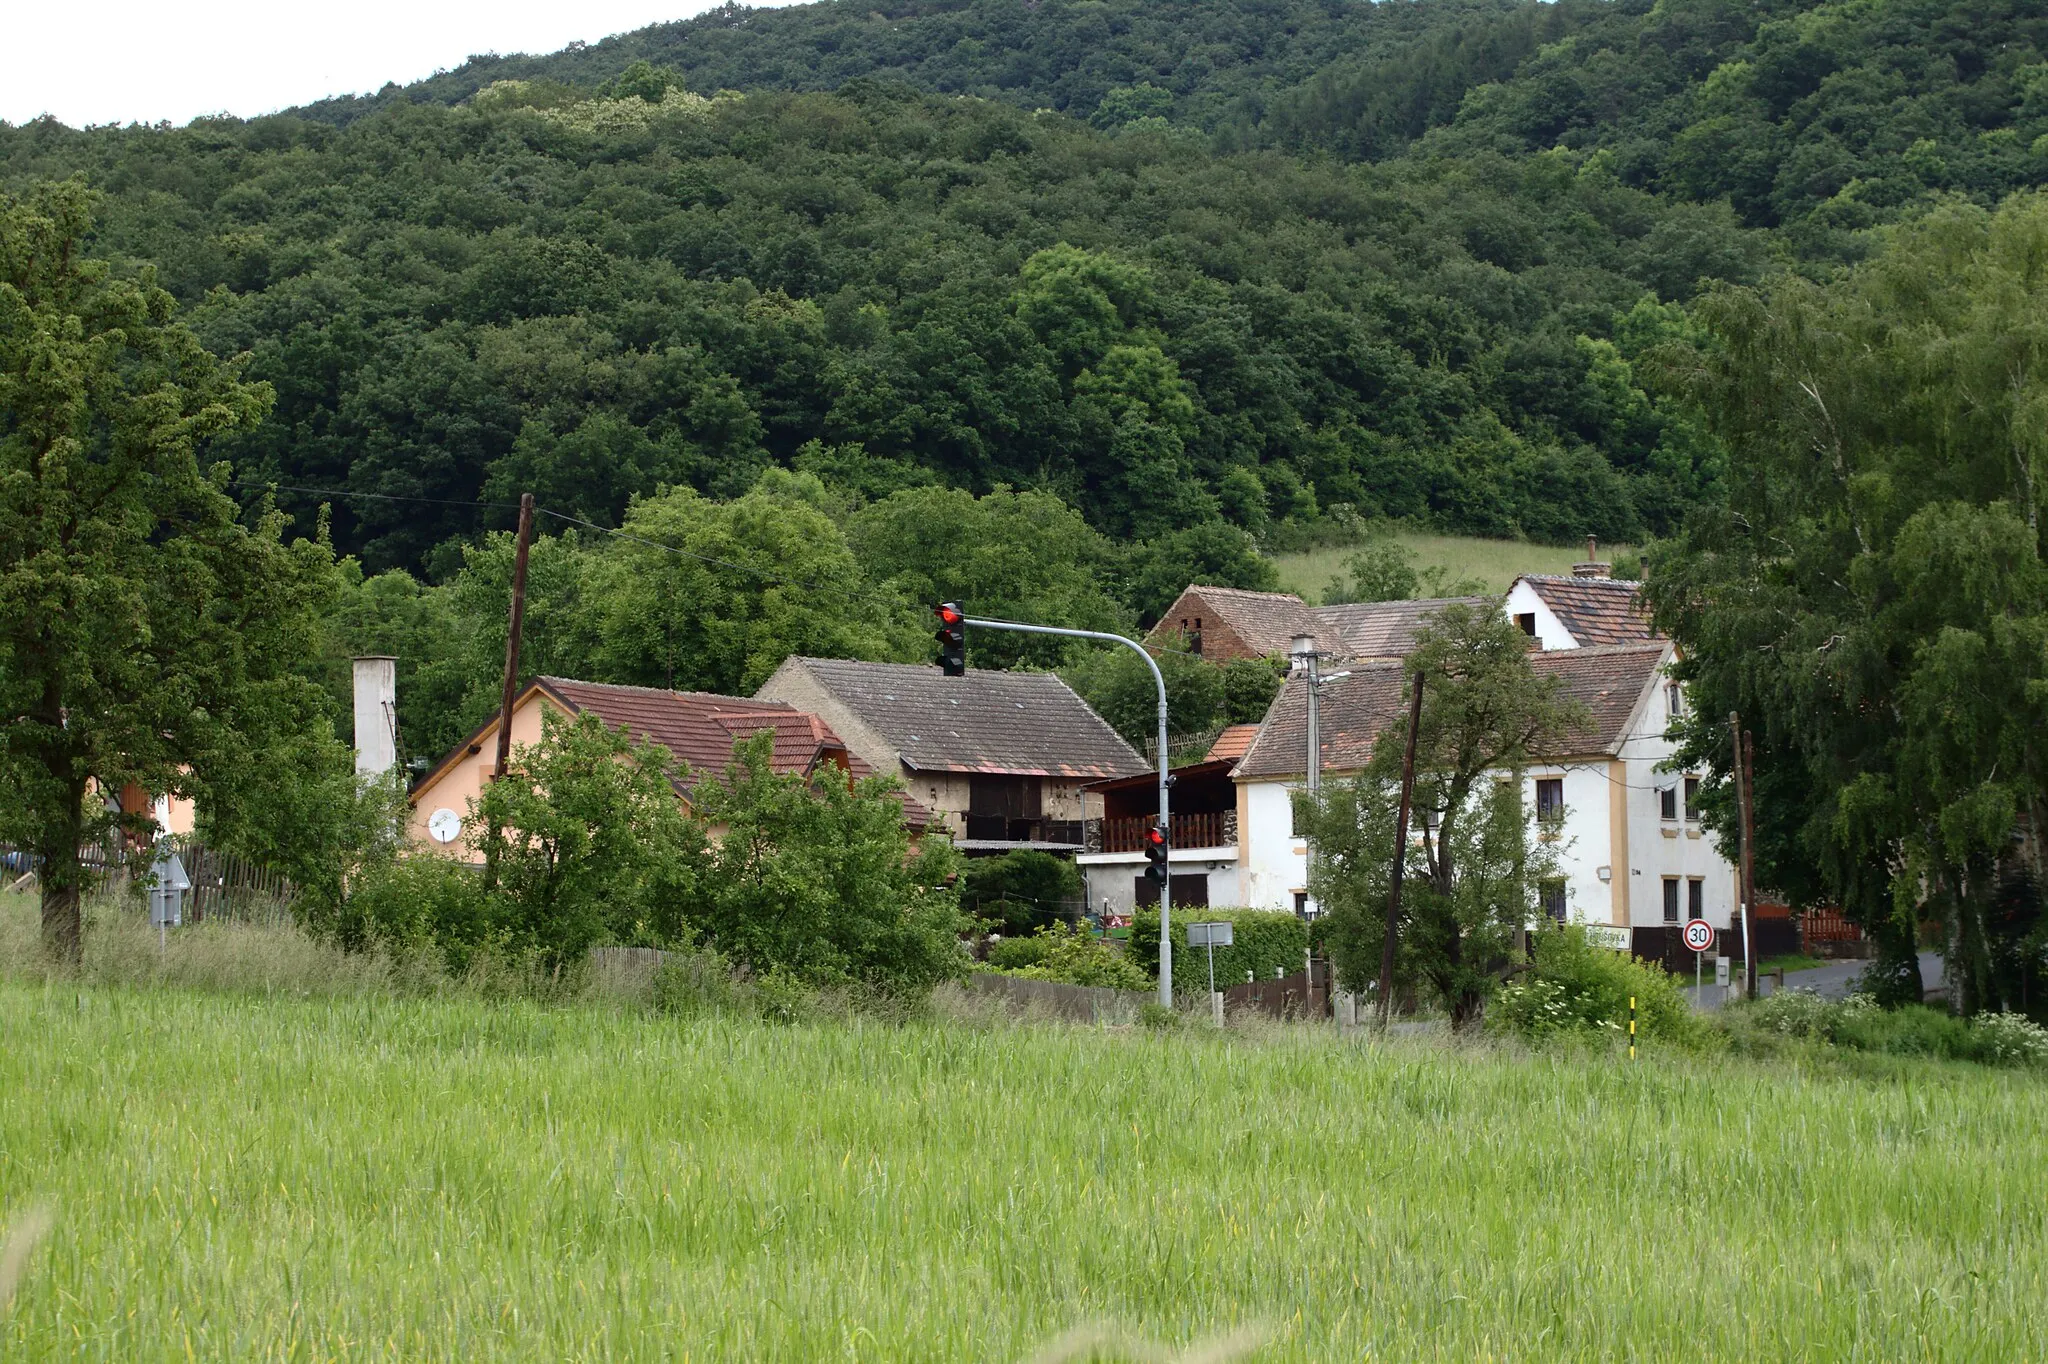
(1699, 936)
(1213, 936)
(1631, 1027)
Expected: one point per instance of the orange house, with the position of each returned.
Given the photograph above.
(699, 729)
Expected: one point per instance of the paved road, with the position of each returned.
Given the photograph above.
(1831, 981)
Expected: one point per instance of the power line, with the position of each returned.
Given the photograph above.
(267, 486)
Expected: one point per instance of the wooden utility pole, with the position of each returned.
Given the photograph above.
(1400, 858)
(512, 631)
(1748, 864)
(1744, 892)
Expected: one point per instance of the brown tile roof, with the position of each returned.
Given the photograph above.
(1595, 610)
(700, 729)
(1607, 680)
(1231, 743)
(1380, 629)
(1030, 724)
(1267, 622)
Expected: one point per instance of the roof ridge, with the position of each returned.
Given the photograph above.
(1246, 592)
(555, 680)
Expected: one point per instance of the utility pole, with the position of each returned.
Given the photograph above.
(1400, 857)
(1743, 890)
(1305, 650)
(1165, 777)
(1748, 861)
(512, 631)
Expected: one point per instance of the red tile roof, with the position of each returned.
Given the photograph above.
(1607, 681)
(1232, 743)
(1595, 610)
(700, 729)
(1380, 629)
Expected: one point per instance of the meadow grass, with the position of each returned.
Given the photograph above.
(359, 1174)
(1492, 563)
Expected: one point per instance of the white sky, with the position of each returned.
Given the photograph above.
(142, 61)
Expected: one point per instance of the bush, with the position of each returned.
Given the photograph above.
(1077, 958)
(1573, 986)
(1860, 1024)
(1014, 954)
(1264, 940)
(2013, 1039)
(419, 903)
(1020, 891)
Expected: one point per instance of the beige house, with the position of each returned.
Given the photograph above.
(699, 729)
(1001, 759)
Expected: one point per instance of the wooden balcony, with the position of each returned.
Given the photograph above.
(1216, 829)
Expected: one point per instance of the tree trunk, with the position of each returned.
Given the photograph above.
(63, 880)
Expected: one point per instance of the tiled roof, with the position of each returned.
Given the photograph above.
(1267, 622)
(1607, 680)
(1595, 610)
(1380, 629)
(700, 729)
(1029, 724)
(1232, 743)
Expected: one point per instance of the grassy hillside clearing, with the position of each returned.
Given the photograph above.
(1496, 563)
(359, 1176)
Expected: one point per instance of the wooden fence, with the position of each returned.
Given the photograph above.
(223, 886)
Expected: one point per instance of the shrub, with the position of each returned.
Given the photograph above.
(418, 903)
(1574, 986)
(1077, 958)
(2013, 1039)
(1014, 954)
(1859, 1023)
(1020, 890)
(1263, 940)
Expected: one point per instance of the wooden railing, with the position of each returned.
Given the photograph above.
(1127, 835)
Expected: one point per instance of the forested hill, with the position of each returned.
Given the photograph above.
(1824, 118)
(591, 299)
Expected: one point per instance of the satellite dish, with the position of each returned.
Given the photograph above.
(445, 825)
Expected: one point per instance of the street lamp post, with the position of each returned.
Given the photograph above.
(1165, 778)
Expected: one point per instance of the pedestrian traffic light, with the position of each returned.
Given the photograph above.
(1155, 853)
(952, 638)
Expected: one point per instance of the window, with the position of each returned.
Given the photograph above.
(1674, 699)
(1551, 894)
(1695, 899)
(1550, 800)
(1692, 800)
(1667, 803)
(1671, 899)
(1301, 904)
(1527, 620)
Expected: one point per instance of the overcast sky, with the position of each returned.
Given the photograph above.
(127, 61)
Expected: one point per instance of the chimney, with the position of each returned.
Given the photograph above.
(1592, 568)
(376, 707)
(1298, 655)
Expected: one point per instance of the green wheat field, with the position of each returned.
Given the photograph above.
(369, 1173)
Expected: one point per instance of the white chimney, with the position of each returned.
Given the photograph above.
(376, 697)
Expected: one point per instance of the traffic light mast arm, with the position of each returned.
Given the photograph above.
(1165, 817)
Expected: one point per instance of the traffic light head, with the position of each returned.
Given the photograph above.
(952, 638)
(1156, 849)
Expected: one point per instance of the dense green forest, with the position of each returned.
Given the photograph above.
(1053, 306)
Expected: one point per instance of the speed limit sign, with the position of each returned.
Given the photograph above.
(1699, 935)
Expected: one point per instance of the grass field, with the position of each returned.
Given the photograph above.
(1495, 563)
(363, 1176)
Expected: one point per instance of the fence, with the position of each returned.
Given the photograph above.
(223, 886)
(1301, 995)
(1208, 830)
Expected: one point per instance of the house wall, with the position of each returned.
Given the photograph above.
(1220, 643)
(462, 781)
(1550, 632)
(1272, 862)
(1660, 848)
(1112, 878)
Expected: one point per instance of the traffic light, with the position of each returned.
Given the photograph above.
(1155, 853)
(952, 638)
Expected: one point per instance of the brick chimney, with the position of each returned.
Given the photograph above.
(1592, 568)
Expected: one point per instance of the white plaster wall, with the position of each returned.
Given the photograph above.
(1659, 848)
(1550, 631)
(1113, 877)
(1273, 863)
(1583, 842)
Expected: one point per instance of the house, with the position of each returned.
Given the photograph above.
(1202, 850)
(1587, 608)
(1003, 760)
(1226, 623)
(699, 730)
(1631, 849)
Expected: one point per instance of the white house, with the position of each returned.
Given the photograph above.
(1631, 849)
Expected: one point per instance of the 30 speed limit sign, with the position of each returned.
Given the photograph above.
(1699, 935)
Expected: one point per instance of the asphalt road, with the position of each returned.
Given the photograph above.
(1831, 981)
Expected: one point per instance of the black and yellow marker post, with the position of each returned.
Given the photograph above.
(1631, 1027)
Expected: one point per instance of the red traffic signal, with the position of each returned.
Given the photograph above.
(952, 638)
(1156, 849)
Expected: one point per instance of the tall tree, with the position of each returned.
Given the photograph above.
(1485, 713)
(147, 631)
(1873, 600)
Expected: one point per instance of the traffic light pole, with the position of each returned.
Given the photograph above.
(1165, 818)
